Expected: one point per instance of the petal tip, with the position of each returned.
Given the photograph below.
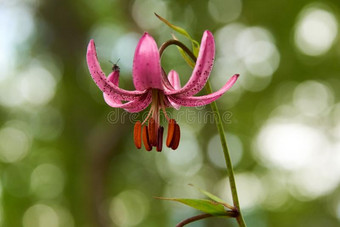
(91, 46)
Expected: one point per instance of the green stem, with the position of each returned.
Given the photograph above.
(220, 129)
(227, 158)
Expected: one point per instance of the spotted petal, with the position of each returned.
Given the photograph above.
(203, 100)
(202, 68)
(146, 69)
(132, 106)
(113, 78)
(99, 78)
(141, 105)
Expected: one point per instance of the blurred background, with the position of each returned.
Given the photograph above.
(67, 159)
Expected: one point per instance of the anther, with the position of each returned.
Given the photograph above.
(146, 141)
(152, 132)
(137, 134)
(160, 138)
(171, 129)
(176, 137)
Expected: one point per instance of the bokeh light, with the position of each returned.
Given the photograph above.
(249, 51)
(64, 163)
(225, 10)
(141, 13)
(216, 156)
(129, 208)
(316, 30)
(288, 145)
(312, 98)
(188, 153)
(47, 181)
(40, 215)
(14, 144)
(244, 182)
(14, 20)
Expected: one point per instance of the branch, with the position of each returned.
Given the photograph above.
(229, 213)
(194, 218)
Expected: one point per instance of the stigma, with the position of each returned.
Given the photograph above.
(150, 132)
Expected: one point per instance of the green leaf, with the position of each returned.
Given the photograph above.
(194, 43)
(213, 197)
(195, 47)
(207, 206)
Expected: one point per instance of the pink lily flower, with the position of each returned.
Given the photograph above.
(153, 86)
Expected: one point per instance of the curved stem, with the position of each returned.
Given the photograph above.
(194, 218)
(228, 213)
(177, 43)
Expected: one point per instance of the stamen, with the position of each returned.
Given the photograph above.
(176, 138)
(152, 132)
(145, 136)
(163, 108)
(160, 139)
(147, 117)
(137, 134)
(171, 130)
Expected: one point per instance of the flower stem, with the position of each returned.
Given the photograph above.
(227, 158)
(177, 43)
(220, 129)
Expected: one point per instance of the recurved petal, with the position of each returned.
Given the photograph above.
(133, 106)
(202, 68)
(113, 78)
(174, 79)
(146, 69)
(102, 82)
(206, 99)
(141, 105)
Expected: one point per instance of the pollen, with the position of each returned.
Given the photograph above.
(137, 134)
(171, 130)
(146, 141)
(174, 135)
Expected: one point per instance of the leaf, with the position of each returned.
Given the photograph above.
(213, 197)
(194, 43)
(207, 206)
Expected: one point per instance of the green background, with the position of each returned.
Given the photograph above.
(68, 159)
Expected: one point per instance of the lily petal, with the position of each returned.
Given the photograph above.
(176, 84)
(140, 105)
(113, 78)
(206, 99)
(202, 68)
(146, 69)
(99, 78)
(174, 79)
(134, 106)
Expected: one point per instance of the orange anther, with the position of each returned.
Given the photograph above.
(160, 138)
(137, 134)
(176, 137)
(171, 129)
(146, 141)
(152, 132)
